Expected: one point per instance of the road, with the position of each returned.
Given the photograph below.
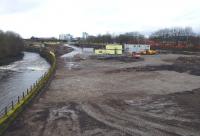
(91, 97)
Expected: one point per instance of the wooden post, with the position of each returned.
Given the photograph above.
(18, 99)
(27, 91)
(12, 105)
(6, 110)
(23, 95)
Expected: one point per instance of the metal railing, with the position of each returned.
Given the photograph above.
(10, 112)
(11, 106)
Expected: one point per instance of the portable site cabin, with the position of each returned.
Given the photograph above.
(111, 49)
(137, 48)
(100, 51)
(114, 49)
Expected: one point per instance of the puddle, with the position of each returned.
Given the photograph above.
(71, 65)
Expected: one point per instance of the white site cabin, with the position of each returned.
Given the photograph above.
(136, 48)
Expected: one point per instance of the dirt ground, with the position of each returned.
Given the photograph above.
(158, 96)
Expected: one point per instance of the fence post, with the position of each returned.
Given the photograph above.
(12, 105)
(6, 110)
(27, 91)
(18, 99)
(23, 95)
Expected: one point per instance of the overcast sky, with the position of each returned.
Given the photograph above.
(47, 18)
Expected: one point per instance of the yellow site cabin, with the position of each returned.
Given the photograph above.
(111, 49)
(100, 51)
(114, 47)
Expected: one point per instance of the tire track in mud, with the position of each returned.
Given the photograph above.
(70, 119)
(142, 123)
(101, 117)
(61, 121)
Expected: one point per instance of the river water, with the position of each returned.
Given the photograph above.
(20, 75)
(70, 59)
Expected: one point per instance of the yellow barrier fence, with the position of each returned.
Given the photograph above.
(11, 111)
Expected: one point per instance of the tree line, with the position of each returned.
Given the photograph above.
(11, 44)
(169, 35)
(130, 37)
(185, 36)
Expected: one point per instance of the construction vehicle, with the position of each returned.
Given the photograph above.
(149, 52)
(136, 55)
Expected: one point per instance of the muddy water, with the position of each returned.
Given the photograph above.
(20, 75)
(77, 53)
(69, 60)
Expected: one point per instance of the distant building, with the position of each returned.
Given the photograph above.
(85, 35)
(67, 37)
(137, 48)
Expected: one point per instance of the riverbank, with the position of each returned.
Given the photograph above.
(58, 49)
(91, 45)
(8, 60)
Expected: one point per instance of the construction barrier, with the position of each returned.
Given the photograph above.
(10, 112)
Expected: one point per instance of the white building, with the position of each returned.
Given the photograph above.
(137, 48)
(67, 37)
(85, 35)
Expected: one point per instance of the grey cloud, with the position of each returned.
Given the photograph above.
(16, 6)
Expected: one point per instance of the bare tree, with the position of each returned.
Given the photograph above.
(11, 44)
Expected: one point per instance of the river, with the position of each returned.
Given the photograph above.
(20, 75)
(70, 59)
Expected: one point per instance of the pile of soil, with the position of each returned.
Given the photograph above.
(61, 50)
(188, 100)
(178, 52)
(117, 58)
(182, 64)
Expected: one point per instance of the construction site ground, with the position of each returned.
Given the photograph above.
(157, 96)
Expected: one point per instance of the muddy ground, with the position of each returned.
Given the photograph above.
(158, 96)
(123, 58)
